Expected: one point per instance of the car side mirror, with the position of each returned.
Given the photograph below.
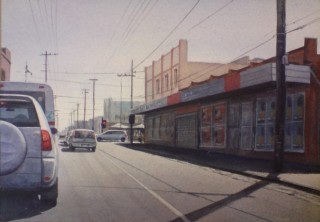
(53, 130)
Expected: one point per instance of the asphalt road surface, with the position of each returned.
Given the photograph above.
(120, 184)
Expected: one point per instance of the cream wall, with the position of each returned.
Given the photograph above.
(161, 75)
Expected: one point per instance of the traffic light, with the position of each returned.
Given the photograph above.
(132, 118)
(103, 123)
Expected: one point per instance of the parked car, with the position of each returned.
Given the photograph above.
(113, 135)
(82, 138)
(29, 155)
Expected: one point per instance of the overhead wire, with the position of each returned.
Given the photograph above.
(209, 69)
(136, 24)
(209, 16)
(169, 34)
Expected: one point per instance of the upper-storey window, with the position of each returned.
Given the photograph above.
(157, 86)
(166, 82)
(175, 76)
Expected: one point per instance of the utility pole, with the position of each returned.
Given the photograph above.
(71, 121)
(26, 72)
(281, 86)
(46, 54)
(77, 115)
(126, 75)
(131, 103)
(93, 101)
(84, 91)
(120, 75)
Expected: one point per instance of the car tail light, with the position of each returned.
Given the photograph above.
(45, 141)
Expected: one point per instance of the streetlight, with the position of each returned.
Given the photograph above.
(93, 102)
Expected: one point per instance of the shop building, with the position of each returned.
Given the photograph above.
(234, 113)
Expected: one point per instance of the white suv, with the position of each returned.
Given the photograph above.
(29, 156)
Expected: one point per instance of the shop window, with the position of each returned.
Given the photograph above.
(246, 125)
(265, 118)
(233, 126)
(294, 129)
(294, 125)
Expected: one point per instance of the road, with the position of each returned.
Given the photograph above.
(120, 184)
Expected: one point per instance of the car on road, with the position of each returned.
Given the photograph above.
(82, 138)
(113, 135)
(29, 155)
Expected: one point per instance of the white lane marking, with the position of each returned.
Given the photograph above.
(154, 194)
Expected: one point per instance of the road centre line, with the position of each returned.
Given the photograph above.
(154, 194)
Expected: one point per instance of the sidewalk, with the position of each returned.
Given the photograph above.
(302, 177)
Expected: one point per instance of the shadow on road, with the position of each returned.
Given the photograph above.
(226, 162)
(17, 205)
(209, 209)
(77, 150)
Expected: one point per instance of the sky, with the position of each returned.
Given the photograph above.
(98, 39)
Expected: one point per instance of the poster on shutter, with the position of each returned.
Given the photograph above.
(206, 136)
(219, 137)
(219, 113)
(206, 116)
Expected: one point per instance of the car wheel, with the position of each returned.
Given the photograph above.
(50, 196)
(123, 139)
(99, 139)
(71, 147)
(93, 149)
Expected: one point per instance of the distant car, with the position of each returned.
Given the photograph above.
(82, 138)
(29, 155)
(113, 135)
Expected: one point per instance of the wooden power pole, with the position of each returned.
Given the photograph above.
(281, 86)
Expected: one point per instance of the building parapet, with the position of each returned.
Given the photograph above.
(262, 74)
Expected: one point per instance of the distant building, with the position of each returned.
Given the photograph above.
(5, 64)
(118, 111)
(173, 72)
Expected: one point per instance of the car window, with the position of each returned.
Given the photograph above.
(19, 113)
(83, 134)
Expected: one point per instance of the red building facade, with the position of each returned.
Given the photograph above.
(235, 113)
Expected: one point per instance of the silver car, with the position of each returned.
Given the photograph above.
(82, 138)
(113, 135)
(29, 156)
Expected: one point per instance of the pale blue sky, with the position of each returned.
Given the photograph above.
(103, 36)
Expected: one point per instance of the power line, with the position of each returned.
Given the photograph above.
(209, 16)
(170, 33)
(209, 68)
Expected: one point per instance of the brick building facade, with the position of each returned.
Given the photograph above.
(235, 113)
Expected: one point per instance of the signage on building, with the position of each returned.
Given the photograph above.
(207, 89)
